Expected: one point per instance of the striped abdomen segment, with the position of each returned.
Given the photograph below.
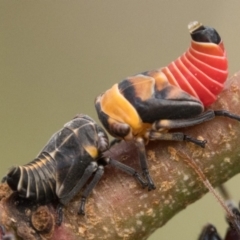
(201, 71)
(35, 180)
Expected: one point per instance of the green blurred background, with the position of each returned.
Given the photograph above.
(57, 56)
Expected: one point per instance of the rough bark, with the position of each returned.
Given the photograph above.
(119, 208)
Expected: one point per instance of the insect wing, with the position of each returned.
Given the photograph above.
(73, 158)
(167, 103)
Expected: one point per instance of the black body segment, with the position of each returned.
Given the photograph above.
(152, 103)
(205, 34)
(209, 232)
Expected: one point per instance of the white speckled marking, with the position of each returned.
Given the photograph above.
(228, 146)
(191, 184)
(166, 202)
(227, 160)
(139, 223)
(185, 177)
(143, 196)
(105, 229)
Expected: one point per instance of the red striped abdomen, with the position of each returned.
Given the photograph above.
(201, 71)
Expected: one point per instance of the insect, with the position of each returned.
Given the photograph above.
(145, 106)
(72, 157)
(209, 232)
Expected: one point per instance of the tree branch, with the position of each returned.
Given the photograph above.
(119, 208)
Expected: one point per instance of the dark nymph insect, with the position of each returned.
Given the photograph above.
(71, 158)
(209, 232)
(146, 106)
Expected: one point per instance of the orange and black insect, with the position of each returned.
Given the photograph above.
(145, 106)
(71, 158)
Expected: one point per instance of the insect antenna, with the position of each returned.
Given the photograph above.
(232, 206)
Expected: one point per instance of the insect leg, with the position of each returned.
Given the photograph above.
(114, 141)
(86, 175)
(181, 123)
(97, 176)
(176, 136)
(128, 170)
(205, 116)
(143, 162)
(228, 114)
(59, 214)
